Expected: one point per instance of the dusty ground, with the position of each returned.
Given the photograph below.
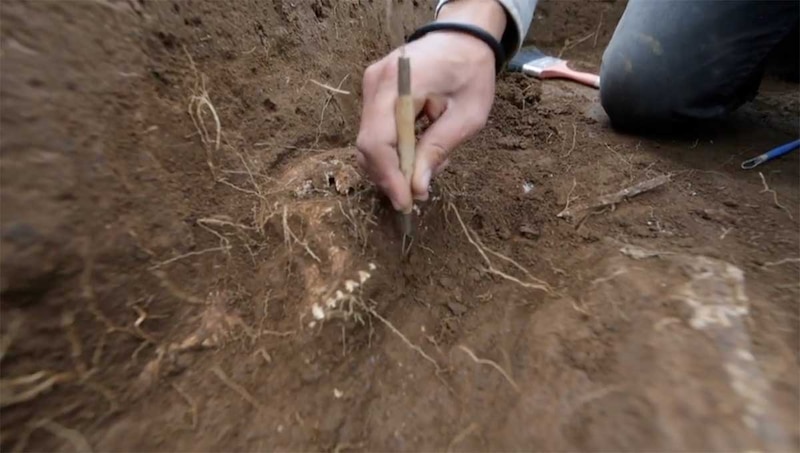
(162, 273)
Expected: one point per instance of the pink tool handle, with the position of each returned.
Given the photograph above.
(562, 71)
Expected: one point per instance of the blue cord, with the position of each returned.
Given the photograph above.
(771, 154)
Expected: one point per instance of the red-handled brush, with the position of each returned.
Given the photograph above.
(531, 60)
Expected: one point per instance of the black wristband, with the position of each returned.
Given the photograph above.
(472, 30)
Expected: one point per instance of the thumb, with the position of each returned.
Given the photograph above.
(443, 136)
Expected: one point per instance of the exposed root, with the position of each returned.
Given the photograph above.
(190, 402)
(325, 107)
(574, 136)
(556, 270)
(108, 395)
(536, 284)
(10, 395)
(781, 262)
(492, 364)
(250, 174)
(405, 339)
(619, 156)
(330, 88)
(22, 441)
(197, 102)
(569, 44)
(288, 233)
(76, 350)
(597, 30)
(224, 242)
(360, 229)
(137, 325)
(256, 188)
(569, 197)
(774, 196)
(236, 387)
(10, 334)
(175, 291)
(276, 333)
(462, 435)
(74, 437)
(608, 278)
(240, 189)
(617, 197)
(241, 231)
(187, 255)
(264, 355)
(579, 309)
(344, 342)
(97, 356)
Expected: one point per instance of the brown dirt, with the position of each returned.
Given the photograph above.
(149, 303)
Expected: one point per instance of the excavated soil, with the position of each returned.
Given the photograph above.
(191, 262)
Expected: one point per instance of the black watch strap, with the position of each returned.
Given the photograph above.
(472, 30)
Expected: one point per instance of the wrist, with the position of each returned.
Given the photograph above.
(486, 14)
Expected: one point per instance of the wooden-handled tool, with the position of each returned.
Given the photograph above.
(405, 119)
(532, 61)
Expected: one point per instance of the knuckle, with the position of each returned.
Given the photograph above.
(475, 122)
(437, 153)
(388, 68)
(371, 75)
(364, 144)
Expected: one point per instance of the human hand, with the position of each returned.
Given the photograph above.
(452, 83)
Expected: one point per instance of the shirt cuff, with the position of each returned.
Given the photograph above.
(514, 32)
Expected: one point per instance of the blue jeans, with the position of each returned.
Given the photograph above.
(676, 61)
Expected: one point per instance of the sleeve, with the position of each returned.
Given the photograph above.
(520, 13)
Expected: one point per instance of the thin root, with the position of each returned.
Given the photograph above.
(10, 397)
(462, 435)
(569, 197)
(330, 88)
(195, 109)
(492, 364)
(190, 402)
(574, 135)
(404, 338)
(287, 233)
(538, 283)
(780, 262)
(236, 387)
(774, 196)
(325, 107)
(175, 291)
(74, 437)
(186, 255)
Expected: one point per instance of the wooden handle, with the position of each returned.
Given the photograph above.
(405, 119)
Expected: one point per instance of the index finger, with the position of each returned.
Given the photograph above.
(376, 144)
